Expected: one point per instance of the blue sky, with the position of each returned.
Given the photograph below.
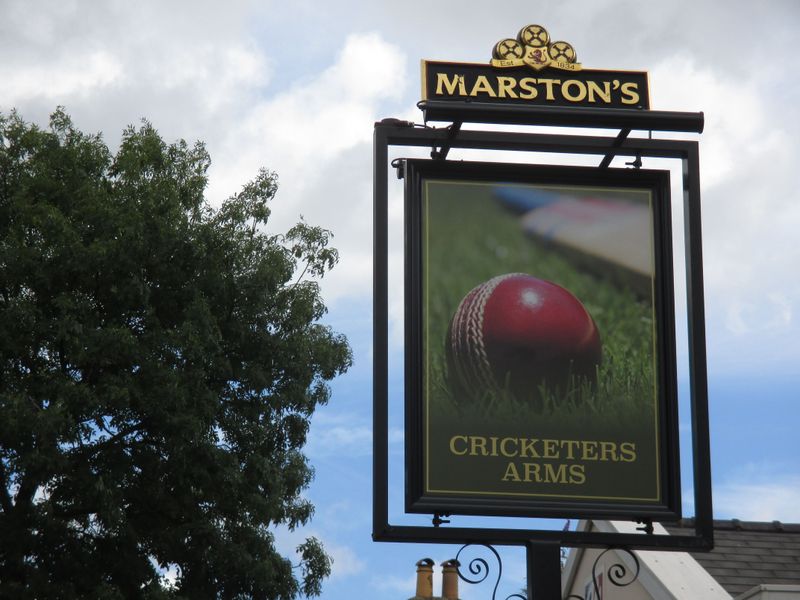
(296, 87)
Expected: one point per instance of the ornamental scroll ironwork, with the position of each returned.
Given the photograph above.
(479, 568)
(618, 573)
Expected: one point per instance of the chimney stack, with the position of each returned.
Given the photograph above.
(450, 579)
(424, 578)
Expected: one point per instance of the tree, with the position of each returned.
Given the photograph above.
(159, 363)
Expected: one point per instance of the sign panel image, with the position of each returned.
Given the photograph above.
(540, 376)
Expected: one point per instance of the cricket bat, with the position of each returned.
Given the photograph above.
(610, 237)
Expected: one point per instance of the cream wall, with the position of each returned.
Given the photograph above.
(582, 581)
(662, 575)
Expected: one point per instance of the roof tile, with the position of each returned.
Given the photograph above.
(748, 553)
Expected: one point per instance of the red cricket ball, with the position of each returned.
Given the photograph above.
(516, 332)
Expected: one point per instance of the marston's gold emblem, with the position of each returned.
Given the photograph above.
(533, 47)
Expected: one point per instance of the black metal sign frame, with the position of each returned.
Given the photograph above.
(397, 133)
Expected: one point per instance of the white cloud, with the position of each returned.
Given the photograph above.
(220, 73)
(738, 128)
(344, 434)
(188, 67)
(346, 562)
(756, 492)
(750, 207)
(773, 313)
(774, 499)
(401, 586)
(341, 440)
(69, 75)
(298, 130)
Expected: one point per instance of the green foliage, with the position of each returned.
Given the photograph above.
(159, 362)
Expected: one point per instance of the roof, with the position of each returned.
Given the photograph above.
(747, 554)
(661, 573)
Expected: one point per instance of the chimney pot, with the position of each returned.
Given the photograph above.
(450, 579)
(424, 578)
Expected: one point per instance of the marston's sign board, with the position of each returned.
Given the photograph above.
(531, 69)
(540, 369)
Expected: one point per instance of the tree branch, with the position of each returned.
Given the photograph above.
(97, 446)
(5, 497)
(25, 493)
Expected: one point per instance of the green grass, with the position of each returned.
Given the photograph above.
(470, 240)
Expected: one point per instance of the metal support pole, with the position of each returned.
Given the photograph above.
(544, 570)
(621, 136)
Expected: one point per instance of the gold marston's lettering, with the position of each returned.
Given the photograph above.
(530, 88)
(595, 91)
(450, 85)
(527, 84)
(482, 86)
(505, 87)
(574, 90)
(630, 93)
(548, 84)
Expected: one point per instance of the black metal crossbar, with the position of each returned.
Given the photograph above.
(554, 116)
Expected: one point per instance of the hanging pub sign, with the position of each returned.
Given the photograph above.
(540, 370)
(540, 362)
(531, 69)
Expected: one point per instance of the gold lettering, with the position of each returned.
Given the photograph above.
(534, 469)
(630, 93)
(550, 449)
(577, 474)
(453, 445)
(548, 83)
(449, 85)
(604, 93)
(528, 450)
(527, 83)
(553, 475)
(571, 445)
(627, 451)
(505, 87)
(511, 473)
(477, 442)
(504, 451)
(572, 83)
(482, 85)
(608, 451)
(589, 450)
